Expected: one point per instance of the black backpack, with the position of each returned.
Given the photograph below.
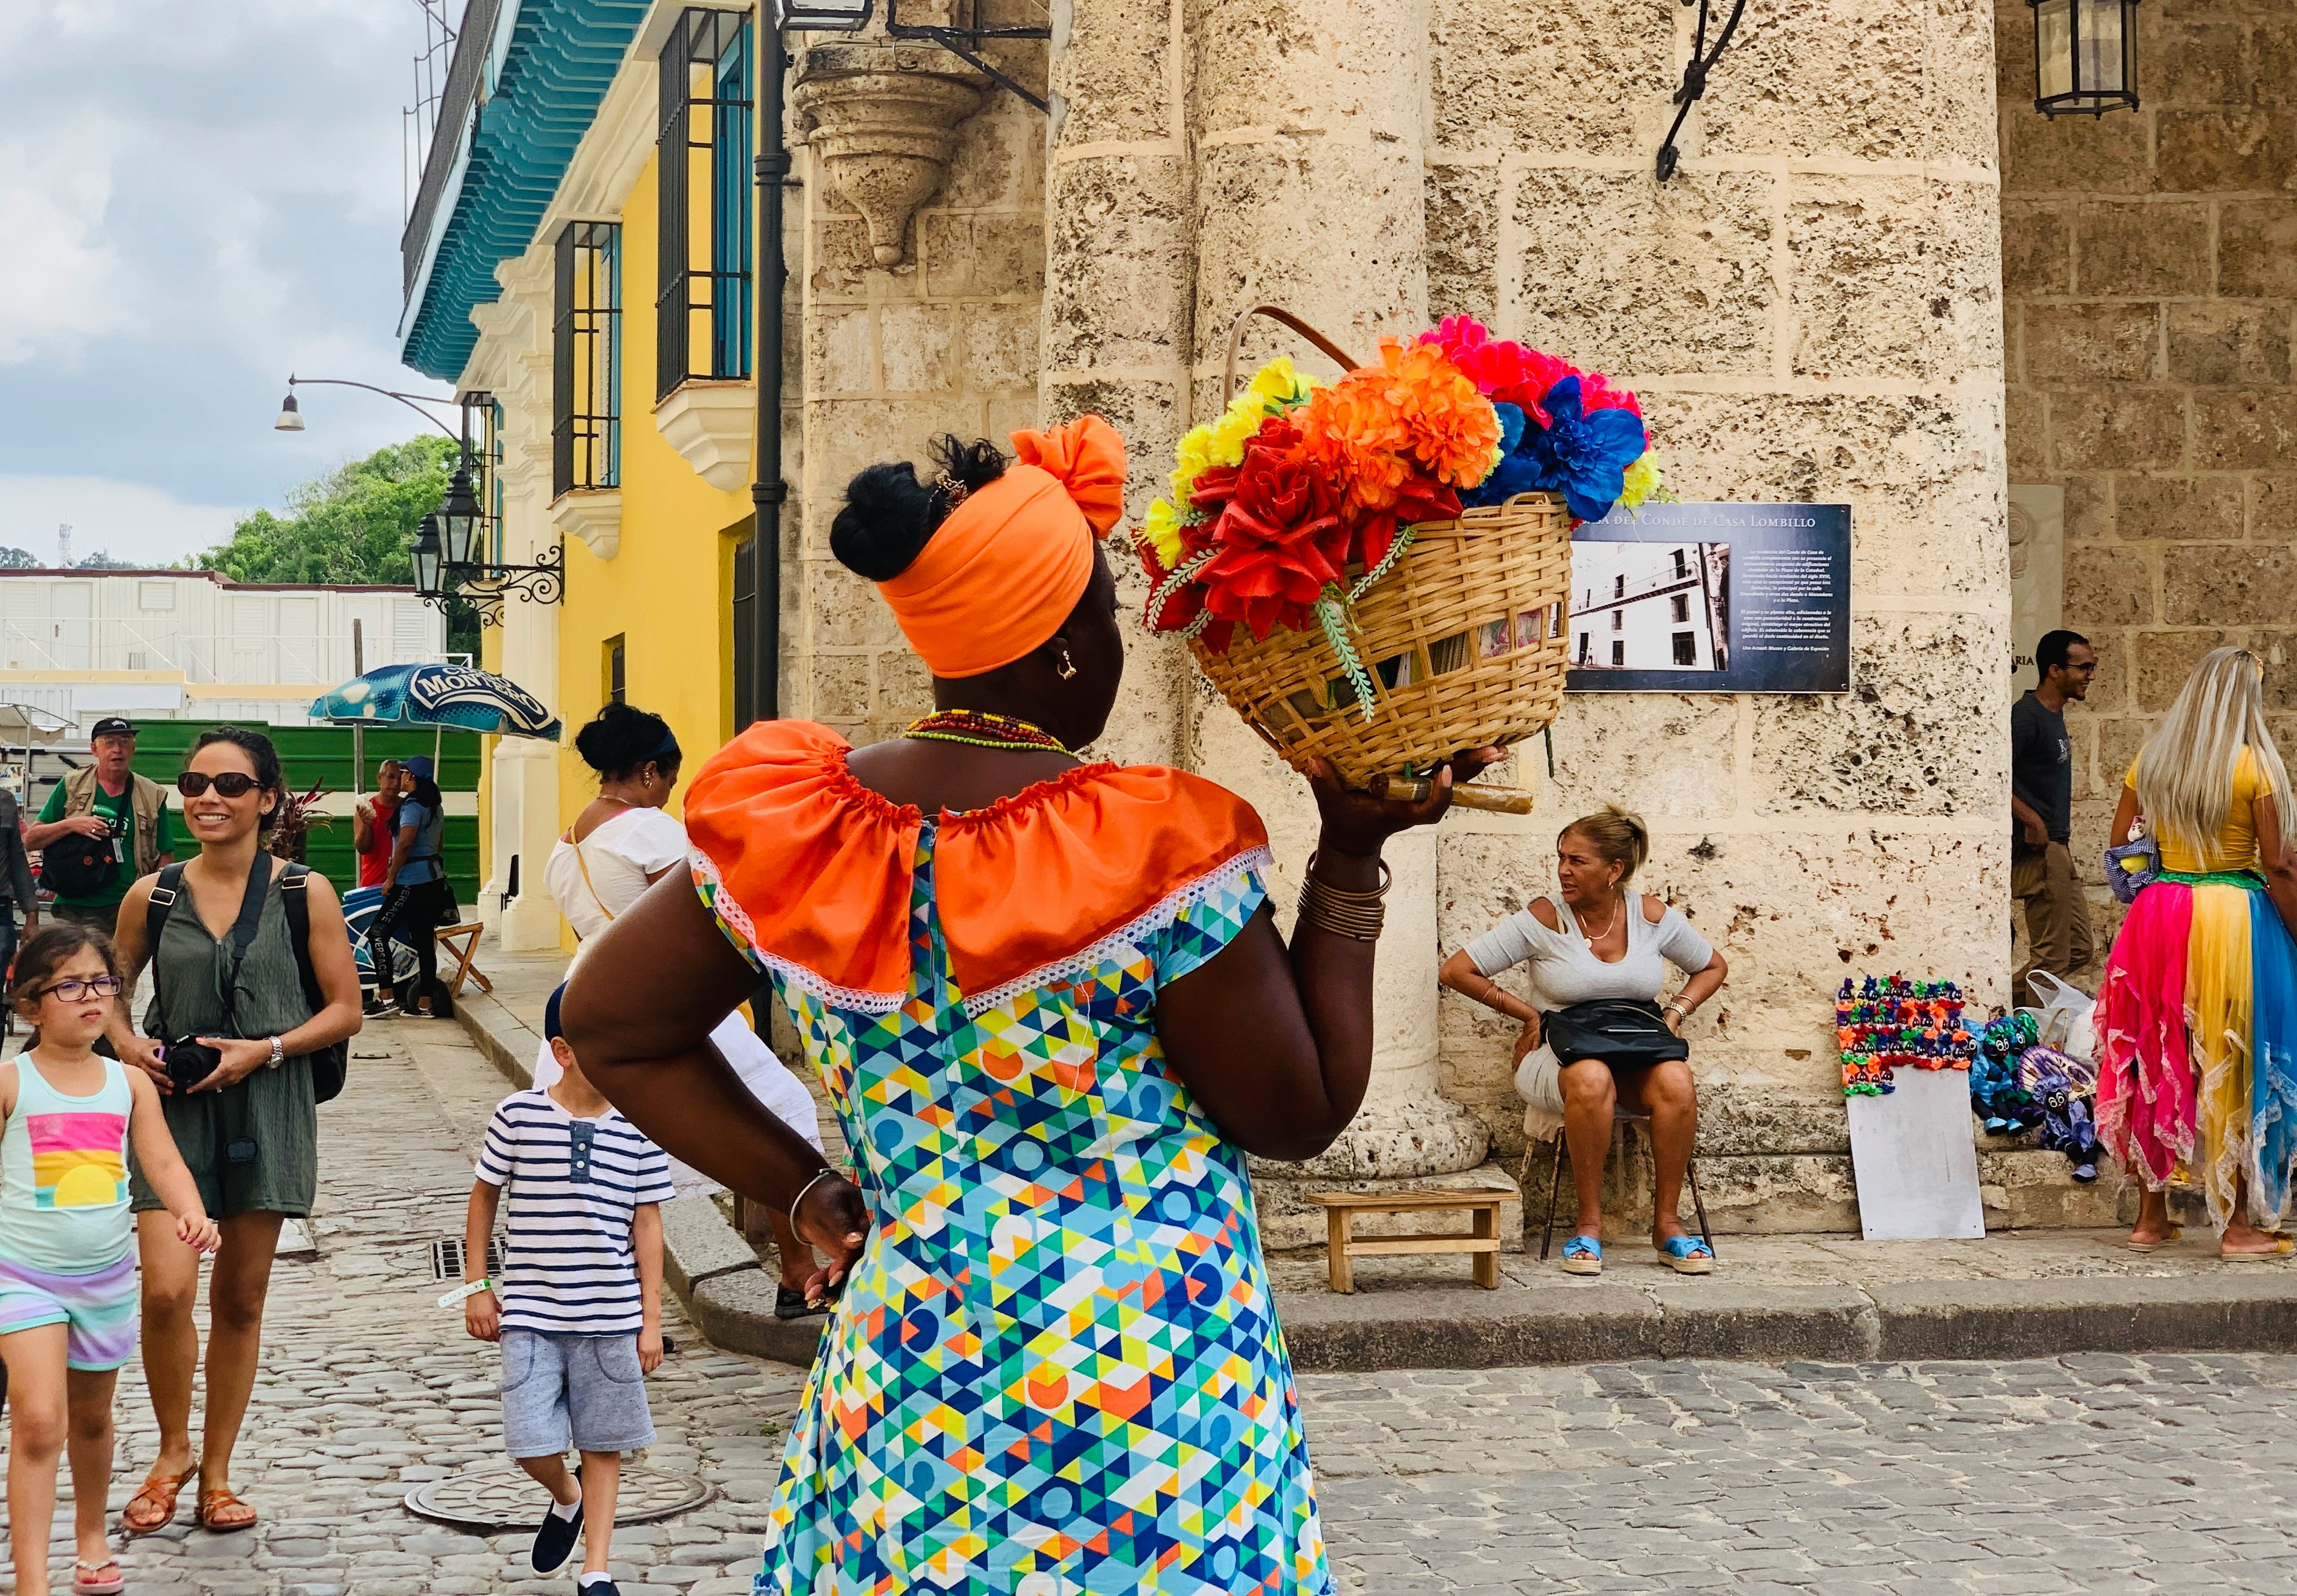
(331, 1063)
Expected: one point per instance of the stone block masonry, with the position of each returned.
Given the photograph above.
(1811, 312)
(2150, 303)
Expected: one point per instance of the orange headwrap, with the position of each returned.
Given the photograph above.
(1004, 570)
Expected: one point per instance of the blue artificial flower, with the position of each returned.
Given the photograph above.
(1585, 455)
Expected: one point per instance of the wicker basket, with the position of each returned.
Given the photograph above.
(1464, 640)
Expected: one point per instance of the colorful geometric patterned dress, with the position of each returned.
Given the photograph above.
(1055, 1367)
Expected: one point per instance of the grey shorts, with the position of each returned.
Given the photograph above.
(587, 1389)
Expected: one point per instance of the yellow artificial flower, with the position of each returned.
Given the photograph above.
(1162, 532)
(1238, 423)
(1278, 384)
(1641, 481)
(1192, 460)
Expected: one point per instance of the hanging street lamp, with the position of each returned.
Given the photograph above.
(426, 556)
(459, 519)
(2085, 56)
(449, 555)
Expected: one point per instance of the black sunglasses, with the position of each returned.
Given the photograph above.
(231, 784)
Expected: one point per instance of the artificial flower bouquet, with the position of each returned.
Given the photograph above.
(1287, 509)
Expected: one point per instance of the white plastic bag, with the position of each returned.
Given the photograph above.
(2065, 1017)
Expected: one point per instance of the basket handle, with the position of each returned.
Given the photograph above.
(1278, 314)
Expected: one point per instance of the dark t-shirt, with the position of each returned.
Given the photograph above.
(2042, 765)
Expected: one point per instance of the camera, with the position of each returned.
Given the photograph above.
(189, 1062)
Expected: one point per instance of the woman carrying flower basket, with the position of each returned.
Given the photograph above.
(1021, 976)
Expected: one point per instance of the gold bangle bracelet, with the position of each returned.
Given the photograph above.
(1356, 916)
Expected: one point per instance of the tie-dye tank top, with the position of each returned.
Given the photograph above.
(64, 1174)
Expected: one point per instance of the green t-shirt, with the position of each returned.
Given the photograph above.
(119, 813)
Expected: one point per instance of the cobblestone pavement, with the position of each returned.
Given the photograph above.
(2090, 1474)
(2093, 1472)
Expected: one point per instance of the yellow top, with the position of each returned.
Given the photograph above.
(2236, 847)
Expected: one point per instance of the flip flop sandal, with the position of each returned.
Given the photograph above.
(789, 1303)
(222, 1498)
(87, 1581)
(1687, 1254)
(160, 1491)
(2282, 1247)
(1583, 1255)
(2177, 1233)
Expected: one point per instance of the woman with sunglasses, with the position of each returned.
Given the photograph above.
(225, 975)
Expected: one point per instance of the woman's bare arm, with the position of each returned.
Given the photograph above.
(638, 1013)
(2280, 865)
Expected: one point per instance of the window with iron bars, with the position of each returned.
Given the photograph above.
(586, 434)
(707, 146)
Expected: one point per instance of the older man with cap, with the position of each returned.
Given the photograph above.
(107, 799)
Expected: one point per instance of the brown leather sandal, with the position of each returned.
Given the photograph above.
(158, 1495)
(223, 1498)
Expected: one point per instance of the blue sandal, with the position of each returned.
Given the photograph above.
(1687, 1254)
(1583, 1255)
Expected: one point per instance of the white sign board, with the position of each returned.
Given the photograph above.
(1916, 1160)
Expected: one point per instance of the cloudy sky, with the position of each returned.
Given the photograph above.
(196, 199)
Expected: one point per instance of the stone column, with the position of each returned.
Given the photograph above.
(1307, 121)
(1118, 281)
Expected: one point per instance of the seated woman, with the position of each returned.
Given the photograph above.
(1599, 956)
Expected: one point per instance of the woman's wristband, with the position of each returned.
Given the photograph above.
(823, 1174)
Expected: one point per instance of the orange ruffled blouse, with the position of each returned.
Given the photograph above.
(810, 872)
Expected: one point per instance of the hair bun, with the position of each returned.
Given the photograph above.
(620, 738)
(889, 515)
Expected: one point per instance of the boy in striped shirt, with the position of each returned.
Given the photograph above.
(579, 1315)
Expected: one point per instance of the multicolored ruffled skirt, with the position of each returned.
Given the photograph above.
(2197, 1042)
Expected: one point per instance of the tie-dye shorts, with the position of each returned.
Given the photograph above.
(98, 1310)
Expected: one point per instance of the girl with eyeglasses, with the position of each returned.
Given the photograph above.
(67, 1271)
(226, 976)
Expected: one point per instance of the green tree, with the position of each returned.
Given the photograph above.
(13, 558)
(353, 525)
(103, 559)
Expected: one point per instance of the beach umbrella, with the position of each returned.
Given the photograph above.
(439, 695)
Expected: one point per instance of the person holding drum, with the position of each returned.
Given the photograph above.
(1599, 955)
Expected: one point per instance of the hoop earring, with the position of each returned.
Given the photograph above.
(1067, 668)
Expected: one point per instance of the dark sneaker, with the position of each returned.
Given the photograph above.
(598, 1587)
(375, 1008)
(419, 1014)
(555, 1538)
(789, 1303)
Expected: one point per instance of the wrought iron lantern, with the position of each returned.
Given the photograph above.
(426, 555)
(2085, 56)
(460, 518)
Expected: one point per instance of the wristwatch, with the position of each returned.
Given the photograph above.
(278, 1054)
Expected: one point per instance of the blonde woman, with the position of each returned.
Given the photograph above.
(2197, 1015)
(1599, 955)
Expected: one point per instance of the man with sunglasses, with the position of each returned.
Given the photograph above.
(108, 799)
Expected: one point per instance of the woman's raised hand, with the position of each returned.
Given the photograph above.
(1356, 823)
(1526, 1040)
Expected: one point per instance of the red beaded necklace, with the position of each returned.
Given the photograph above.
(980, 729)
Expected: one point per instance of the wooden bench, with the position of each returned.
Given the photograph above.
(1483, 1241)
(465, 970)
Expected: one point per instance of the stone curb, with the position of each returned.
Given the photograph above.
(2242, 1308)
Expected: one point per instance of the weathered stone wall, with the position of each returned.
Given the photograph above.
(2150, 270)
(1810, 310)
(943, 341)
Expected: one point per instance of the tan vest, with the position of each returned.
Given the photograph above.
(145, 799)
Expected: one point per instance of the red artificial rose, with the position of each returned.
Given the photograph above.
(1279, 534)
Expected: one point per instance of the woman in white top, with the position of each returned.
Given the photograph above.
(1597, 940)
(621, 843)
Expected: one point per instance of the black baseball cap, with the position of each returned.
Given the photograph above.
(113, 726)
(551, 1029)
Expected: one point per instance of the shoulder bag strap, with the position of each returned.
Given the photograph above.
(584, 866)
(156, 909)
(243, 930)
(294, 889)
